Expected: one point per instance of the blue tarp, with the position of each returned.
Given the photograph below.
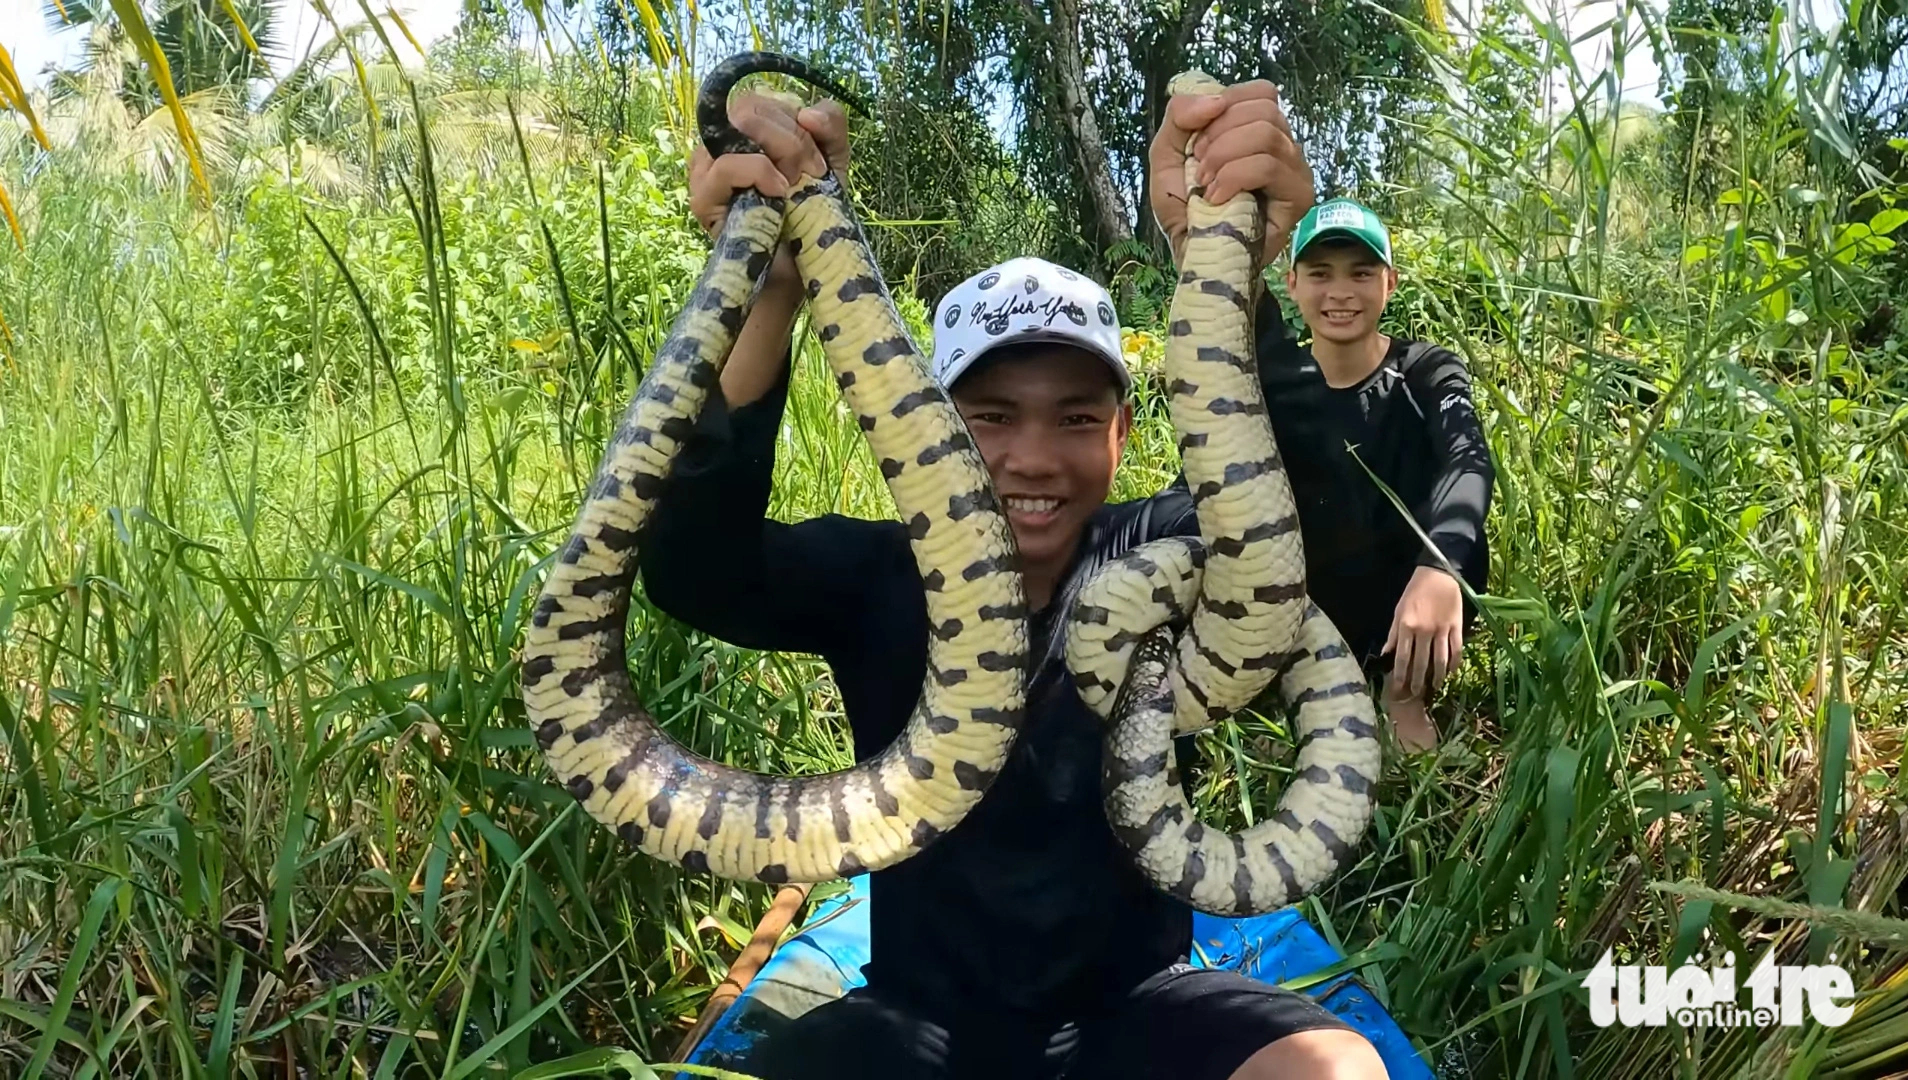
(824, 962)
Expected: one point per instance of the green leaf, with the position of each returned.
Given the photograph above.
(191, 878)
(425, 596)
(1560, 805)
(88, 938)
(1887, 221)
(284, 877)
(1689, 930)
(1380, 953)
(597, 1062)
(219, 1058)
(437, 863)
(1828, 876)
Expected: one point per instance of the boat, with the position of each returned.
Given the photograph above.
(773, 981)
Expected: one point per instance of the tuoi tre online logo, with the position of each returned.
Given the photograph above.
(1650, 996)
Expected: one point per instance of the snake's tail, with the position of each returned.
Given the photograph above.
(712, 102)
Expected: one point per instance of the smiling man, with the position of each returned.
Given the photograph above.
(1024, 944)
(1359, 399)
(1030, 352)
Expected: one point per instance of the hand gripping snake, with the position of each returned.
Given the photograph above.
(597, 737)
(1239, 592)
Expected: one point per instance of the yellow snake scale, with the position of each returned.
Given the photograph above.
(1242, 584)
(598, 738)
(1239, 591)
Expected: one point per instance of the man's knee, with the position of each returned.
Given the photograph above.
(1329, 1054)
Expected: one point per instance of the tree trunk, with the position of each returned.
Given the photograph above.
(1083, 127)
(1163, 58)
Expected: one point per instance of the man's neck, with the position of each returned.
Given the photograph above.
(1043, 581)
(1040, 583)
(1349, 363)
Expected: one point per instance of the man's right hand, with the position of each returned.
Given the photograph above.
(794, 142)
(1243, 143)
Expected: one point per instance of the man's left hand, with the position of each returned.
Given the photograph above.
(1427, 635)
(1243, 143)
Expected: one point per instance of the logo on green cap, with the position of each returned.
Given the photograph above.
(1342, 217)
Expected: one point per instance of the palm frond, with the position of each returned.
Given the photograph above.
(152, 145)
(324, 171)
(134, 22)
(312, 69)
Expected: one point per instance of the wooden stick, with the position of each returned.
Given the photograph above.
(788, 903)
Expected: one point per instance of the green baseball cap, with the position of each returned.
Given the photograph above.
(1342, 217)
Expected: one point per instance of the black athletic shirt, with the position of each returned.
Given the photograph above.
(1413, 424)
(1029, 910)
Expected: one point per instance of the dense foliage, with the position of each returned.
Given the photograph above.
(282, 454)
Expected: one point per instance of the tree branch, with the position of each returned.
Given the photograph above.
(1163, 61)
(1062, 36)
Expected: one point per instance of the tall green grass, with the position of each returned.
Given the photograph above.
(278, 479)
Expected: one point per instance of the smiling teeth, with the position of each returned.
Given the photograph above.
(1033, 506)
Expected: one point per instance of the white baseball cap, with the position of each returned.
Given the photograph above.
(1024, 299)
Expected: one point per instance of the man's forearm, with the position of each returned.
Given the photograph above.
(755, 363)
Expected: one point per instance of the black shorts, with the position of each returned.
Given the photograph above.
(1185, 1022)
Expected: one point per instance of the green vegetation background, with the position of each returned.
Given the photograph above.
(288, 426)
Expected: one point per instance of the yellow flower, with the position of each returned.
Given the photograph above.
(1139, 348)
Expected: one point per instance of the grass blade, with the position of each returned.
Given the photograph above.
(219, 1055)
(597, 1062)
(103, 896)
(510, 1034)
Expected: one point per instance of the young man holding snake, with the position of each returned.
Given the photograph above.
(1358, 399)
(1024, 942)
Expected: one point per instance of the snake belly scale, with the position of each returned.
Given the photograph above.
(597, 737)
(1183, 632)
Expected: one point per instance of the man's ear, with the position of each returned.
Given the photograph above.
(1122, 430)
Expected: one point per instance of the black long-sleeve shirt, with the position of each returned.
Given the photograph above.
(1413, 424)
(1030, 908)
